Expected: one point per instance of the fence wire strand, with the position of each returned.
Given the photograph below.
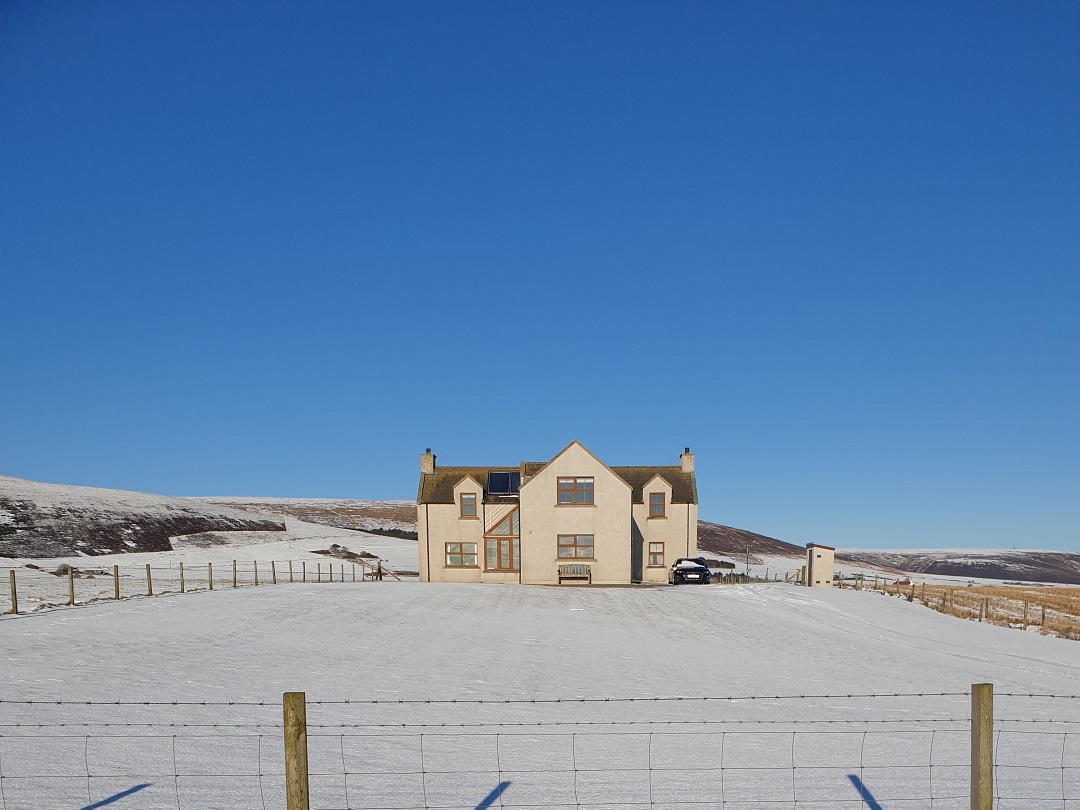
(733, 763)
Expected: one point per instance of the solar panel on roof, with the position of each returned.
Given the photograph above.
(503, 483)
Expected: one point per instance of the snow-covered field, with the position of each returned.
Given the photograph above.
(609, 656)
(39, 587)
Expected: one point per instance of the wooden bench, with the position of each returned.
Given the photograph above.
(575, 571)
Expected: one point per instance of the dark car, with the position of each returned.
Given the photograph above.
(687, 570)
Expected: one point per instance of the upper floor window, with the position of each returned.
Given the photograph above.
(657, 504)
(575, 490)
(468, 504)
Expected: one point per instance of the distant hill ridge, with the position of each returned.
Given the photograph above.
(56, 520)
(726, 541)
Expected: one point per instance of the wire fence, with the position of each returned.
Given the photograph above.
(28, 588)
(1047, 610)
(371, 754)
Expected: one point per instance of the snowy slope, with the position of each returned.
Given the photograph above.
(361, 515)
(49, 520)
(421, 640)
(1023, 565)
(392, 641)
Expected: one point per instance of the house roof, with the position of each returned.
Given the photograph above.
(438, 487)
(683, 485)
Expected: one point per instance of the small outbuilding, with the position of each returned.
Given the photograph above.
(819, 565)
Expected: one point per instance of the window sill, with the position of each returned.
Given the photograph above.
(656, 566)
(502, 570)
(577, 505)
(575, 559)
(468, 517)
(657, 517)
(462, 567)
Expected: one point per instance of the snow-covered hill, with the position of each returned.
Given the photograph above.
(382, 517)
(1008, 565)
(728, 542)
(54, 520)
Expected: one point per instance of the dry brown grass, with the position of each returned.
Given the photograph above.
(1053, 610)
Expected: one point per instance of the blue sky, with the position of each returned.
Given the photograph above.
(279, 249)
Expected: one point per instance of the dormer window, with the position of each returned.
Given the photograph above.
(657, 505)
(468, 504)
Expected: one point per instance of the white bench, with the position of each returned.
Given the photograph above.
(575, 571)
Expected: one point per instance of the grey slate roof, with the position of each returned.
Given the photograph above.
(683, 485)
(438, 487)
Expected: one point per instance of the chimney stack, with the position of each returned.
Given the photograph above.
(687, 461)
(427, 461)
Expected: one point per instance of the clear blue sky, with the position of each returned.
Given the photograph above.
(279, 249)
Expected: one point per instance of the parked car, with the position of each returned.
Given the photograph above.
(688, 569)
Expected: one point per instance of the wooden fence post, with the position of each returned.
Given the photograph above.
(182, 578)
(982, 746)
(354, 573)
(149, 582)
(1023, 622)
(303, 569)
(116, 581)
(255, 564)
(1042, 624)
(320, 571)
(234, 573)
(290, 571)
(294, 707)
(210, 574)
(273, 573)
(14, 593)
(71, 585)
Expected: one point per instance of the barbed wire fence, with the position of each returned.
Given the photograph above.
(803, 752)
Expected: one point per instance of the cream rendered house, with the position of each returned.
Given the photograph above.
(571, 519)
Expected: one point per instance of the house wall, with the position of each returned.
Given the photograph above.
(443, 524)
(677, 531)
(607, 519)
(819, 566)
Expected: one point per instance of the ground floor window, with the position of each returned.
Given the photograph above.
(656, 554)
(576, 545)
(461, 555)
(503, 554)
